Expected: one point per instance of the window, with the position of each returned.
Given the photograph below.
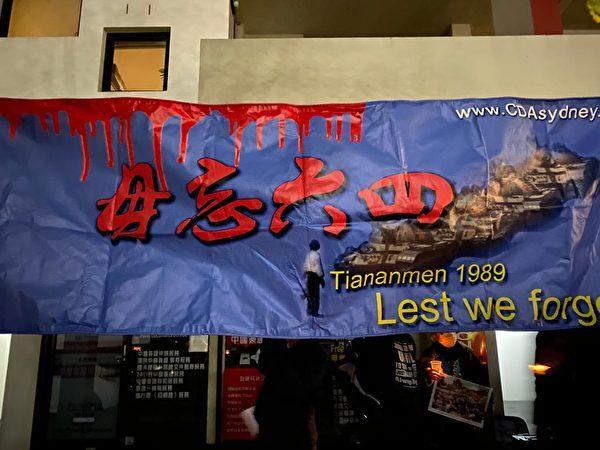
(136, 62)
(39, 18)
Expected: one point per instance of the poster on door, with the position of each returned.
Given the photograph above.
(241, 384)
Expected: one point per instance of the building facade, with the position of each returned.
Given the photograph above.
(204, 63)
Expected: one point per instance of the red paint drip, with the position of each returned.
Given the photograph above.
(55, 122)
(127, 133)
(238, 146)
(110, 160)
(43, 122)
(92, 125)
(259, 132)
(281, 132)
(85, 157)
(83, 115)
(355, 127)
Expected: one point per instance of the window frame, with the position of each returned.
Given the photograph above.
(5, 12)
(133, 36)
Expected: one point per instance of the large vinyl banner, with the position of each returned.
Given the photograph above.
(135, 216)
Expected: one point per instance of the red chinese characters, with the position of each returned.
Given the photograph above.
(128, 213)
(219, 207)
(408, 196)
(309, 183)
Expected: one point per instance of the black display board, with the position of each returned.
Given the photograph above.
(165, 399)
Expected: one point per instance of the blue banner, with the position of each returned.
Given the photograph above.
(131, 216)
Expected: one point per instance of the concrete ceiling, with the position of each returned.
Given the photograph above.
(356, 18)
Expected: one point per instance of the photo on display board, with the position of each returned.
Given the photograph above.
(460, 400)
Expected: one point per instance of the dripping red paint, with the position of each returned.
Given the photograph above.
(83, 117)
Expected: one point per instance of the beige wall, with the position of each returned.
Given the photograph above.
(347, 70)
(4, 350)
(71, 66)
(19, 395)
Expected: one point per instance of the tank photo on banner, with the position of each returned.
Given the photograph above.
(139, 216)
